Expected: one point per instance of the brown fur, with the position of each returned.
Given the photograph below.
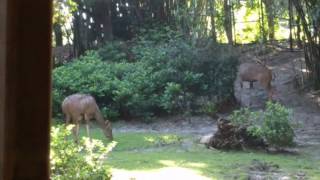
(62, 54)
(257, 72)
(77, 107)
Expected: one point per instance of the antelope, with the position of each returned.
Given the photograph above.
(77, 107)
(252, 72)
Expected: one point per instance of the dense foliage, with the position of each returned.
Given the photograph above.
(85, 160)
(167, 74)
(274, 124)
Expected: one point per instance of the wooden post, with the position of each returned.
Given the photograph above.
(3, 32)
(25, 86)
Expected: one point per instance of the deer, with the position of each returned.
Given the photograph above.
(62, 54)
(253, 72)
(79, 107)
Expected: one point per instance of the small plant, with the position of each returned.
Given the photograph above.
(273, 124)
(249, 119)
(245, 117)
(209, 108)
(276, 127)
(85, 160)
(171, 96)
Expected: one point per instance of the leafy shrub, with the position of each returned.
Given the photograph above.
(276, 126)
(119, 88)
(113, 52)
(85, 160)
(244, 117)
(209, 108)
(273, 124)
(249, 119)
(166, 76)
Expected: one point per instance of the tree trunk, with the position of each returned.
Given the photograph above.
(58, 34)
(78, 39)
(228, 20)
(270, 17)
(311, 49)
(290, 25)
(264, 38)
(302, 15)
(104, 15)
(137, 11)
(213, 21)
(299, 42)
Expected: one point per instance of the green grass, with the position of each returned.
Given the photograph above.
(209, 162)
(151, 151)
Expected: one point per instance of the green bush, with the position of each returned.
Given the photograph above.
(166, 76)
(248, 119)
(113, 52)
(209, 108)
(245, 117)
(85, 160)
(274, 124)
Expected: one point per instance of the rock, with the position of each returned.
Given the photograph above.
(285, 178)
(254, 97)
(206, 139)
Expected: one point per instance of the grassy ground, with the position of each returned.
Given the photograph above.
(145, 155)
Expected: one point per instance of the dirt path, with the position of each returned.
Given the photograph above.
(197, 125)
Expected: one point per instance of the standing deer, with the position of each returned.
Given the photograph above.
(257, 72)
(77, 107)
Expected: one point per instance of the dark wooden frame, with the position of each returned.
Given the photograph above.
(25, 86)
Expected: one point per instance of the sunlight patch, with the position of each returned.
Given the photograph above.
(167, 162)
(160, 174)
(173, 163)
(149, 139)
(197, 165)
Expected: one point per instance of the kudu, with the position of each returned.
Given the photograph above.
(252, 72)
(77, 107)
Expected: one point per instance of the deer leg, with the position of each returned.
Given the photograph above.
(75, 130)
(75, 133)
(87, 120)
(268, 88)
(67, 119)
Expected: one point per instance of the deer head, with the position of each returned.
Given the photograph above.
(107, 130)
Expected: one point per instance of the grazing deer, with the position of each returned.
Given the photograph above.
(62, 54)
(78, 106)
(252, 72)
